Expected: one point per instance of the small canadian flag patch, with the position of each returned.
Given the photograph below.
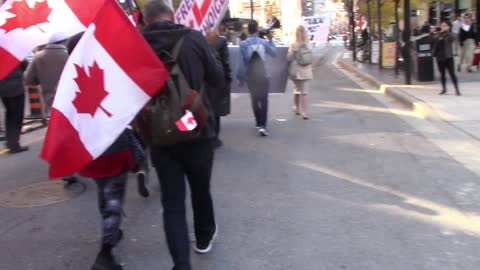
(187, 122)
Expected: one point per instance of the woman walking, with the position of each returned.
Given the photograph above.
(300, 56)
(468, 43)
(443, 51)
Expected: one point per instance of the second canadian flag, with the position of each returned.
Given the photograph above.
(187, 122)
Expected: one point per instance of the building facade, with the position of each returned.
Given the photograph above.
(289, 12)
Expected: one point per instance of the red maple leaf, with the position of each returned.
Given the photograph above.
(91, 90)
(25, 16)
(191, 121)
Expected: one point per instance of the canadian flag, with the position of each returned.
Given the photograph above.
(187, 122)
(26, 24)
(110, 76)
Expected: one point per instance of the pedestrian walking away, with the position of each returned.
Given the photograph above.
(221, 95)
(300, 57)
(456, 26)
(443, 51)
(12, 93)
(109, 172)
(254, 72)
(191, 58)
(46, 68)
(468, 43)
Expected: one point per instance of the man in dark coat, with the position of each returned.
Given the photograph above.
(221, 95)
(193, 159)
(12, 93)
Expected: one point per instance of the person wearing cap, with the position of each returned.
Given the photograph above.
(46, 68)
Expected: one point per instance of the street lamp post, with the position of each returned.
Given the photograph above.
(408, 43)
(251, 9)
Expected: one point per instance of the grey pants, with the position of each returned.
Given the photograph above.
(111, 196)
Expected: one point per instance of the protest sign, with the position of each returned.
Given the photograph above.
(201, 14)
(318, 28)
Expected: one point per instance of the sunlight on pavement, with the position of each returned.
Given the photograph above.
(451, 218)
(359, 90)
(27, 143)
(356, 107)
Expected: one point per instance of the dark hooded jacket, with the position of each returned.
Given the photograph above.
(197, 60)
(12, 85)
(221, 96)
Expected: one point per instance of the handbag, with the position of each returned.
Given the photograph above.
(292, 70)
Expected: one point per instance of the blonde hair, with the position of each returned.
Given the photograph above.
(301, 35)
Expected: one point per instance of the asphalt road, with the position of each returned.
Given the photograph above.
(355, 187)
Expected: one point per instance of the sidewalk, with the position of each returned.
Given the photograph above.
(461, 112)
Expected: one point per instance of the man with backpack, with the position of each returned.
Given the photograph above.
(179, 126)
(253, 70)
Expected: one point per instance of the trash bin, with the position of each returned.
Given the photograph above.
(424, 57)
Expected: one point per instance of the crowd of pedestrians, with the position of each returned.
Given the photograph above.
(200, 77)
(448, 41)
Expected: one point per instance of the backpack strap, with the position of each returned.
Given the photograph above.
(178, 46)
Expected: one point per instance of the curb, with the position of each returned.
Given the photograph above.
(415, 104)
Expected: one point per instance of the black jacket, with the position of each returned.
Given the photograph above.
(221, 95)
(443, 46)
(471, 34)
(12, 85)
(196, 59)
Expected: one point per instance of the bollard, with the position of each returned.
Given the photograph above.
(35, 103)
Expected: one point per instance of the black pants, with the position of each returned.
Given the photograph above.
(217, 126)
(195, 161)
(259, 94)
(14, 107)
(447, 64)
(111, 196)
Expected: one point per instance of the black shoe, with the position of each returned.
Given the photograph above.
(141, 184)
(106, 261)
(120, 236)
(458, 94)
(70, 180)
(443, 92)
(203, 247)
(217, 143)
(18, 149)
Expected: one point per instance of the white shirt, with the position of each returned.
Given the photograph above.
(456, 27)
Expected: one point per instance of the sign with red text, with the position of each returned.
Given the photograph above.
(201, 14)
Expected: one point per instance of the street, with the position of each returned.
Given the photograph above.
(359, 186)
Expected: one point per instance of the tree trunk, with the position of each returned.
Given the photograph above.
(397, 36)
(370, 26)
(380, 34)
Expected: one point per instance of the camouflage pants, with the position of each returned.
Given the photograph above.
(111, 196)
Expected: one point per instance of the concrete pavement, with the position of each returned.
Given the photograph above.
(356, 187)
(460, 112)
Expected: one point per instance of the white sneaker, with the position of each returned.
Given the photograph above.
(263, 132)
(203, 248)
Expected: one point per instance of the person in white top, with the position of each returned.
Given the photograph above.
(303, 73)
(456, 26)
